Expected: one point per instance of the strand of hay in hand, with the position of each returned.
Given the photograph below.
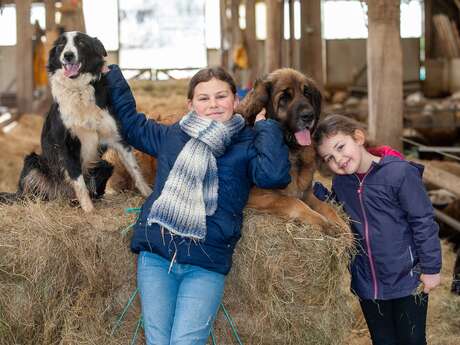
(288, 285)
(64, 275)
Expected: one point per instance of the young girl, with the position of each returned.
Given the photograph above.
(190, 224)
(393, 222)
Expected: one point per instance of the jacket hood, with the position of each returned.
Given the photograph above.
(390, 155)
(382, 151)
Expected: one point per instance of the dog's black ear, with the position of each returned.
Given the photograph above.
(99, 47)
(316, 99)
(255, 100)
(53, 61)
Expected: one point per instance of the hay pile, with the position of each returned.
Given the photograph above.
(288, 285)
(65, 277)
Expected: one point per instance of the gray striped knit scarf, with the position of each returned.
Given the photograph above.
(190, 192)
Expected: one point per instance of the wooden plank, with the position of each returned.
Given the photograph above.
(440, 177)
(311, 42)
(50, 10)
(385, 73)
(428, 8)
(252, 39)
(24, 56)
(273, 41)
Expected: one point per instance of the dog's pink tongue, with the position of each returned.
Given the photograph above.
(303, 137)
(71, 70)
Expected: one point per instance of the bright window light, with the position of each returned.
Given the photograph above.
(287, 34)
(38, 12)
(411, 19)
(101, 20)
(348, 19)
(212, 21)
(8, 22)
(8, 26)
(261, 21)
(155, 35)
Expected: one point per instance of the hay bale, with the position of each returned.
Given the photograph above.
(65, 277)
(287, 285)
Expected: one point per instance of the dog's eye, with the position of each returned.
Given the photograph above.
(285, 96)
(81, 43)
(306, 91)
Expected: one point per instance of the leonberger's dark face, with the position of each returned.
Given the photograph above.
(289, 98)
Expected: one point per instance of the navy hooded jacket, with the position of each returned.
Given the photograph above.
(256, 155)
(393, 221)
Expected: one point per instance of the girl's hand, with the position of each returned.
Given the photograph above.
(261, 115)
(105, 69)
(430, 281)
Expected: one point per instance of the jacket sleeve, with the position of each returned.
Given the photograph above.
(420, 215)
(142, 133)
(322, 193)
(269, 164)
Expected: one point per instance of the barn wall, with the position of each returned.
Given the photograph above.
(7, 67)
(346, 58)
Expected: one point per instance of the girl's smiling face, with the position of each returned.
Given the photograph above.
(213, 99)
(345, 154)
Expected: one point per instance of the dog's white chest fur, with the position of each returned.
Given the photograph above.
(77, 104)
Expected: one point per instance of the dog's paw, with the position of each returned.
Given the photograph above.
(144, 189)
(87, 207)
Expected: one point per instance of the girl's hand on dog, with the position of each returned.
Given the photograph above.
(105, 69)
(261, 115)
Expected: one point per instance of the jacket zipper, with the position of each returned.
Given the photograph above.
(412, 261)
(366, 235)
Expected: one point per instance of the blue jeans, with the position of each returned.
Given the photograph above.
(179, 307)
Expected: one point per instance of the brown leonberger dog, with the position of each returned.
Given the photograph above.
(293, 100)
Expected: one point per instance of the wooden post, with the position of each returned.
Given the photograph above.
(273, 41)
(291, 34)
(50, 10)
(428, 21)
(252, 39)
(384, 73)
(311, 42)
(24, 57)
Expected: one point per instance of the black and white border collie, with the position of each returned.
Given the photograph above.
(78, 129)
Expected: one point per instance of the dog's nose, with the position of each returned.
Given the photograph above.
(69, 56)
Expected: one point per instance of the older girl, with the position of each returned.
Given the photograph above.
(190, 224)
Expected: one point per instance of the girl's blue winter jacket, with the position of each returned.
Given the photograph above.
(256, 156)
(393, 221)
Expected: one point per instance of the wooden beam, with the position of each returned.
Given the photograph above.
(50, 10)
(440, 177)
(252, 39)
(428, 25)
(311, 42)
(24, 56)
(384, 73)
(273, 41)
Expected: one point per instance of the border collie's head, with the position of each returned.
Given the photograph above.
(76, 53)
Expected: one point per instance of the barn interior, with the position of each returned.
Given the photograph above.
(394, 65)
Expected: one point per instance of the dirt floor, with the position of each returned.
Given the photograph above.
(444, 308)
